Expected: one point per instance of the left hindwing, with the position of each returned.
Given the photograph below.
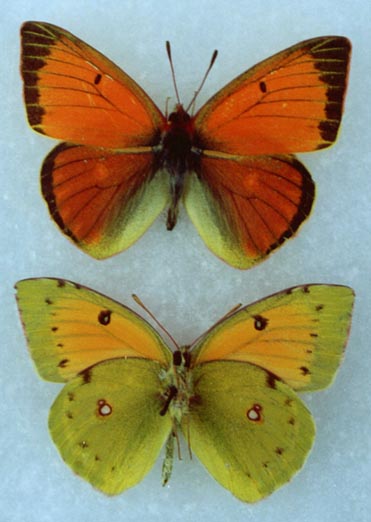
(103, 200)
(298, 334)
(248, 428)
(107, 425)
(291, 102)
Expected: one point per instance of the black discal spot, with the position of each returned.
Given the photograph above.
(60, 345)
(265, 464)
(260, 322)
(313, 335)
(48, 301)
(304, 370)
(97, 458)
(319, 307)
(61, 283)
(263, 86)
(54, 328)
(254, 414)
(291, 421)
(63, 363)
(308, 351)
(86, 376)
(104, 317)
(97, 79)
(279, 450)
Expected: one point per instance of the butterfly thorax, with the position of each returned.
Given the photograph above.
(177, 384)
(176, 156)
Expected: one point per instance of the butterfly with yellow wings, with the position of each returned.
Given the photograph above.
(232, 394)
(231, 163)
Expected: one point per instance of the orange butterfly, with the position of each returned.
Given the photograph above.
(231, 163)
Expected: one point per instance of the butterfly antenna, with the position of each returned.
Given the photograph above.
(225, 316)
(168, 50)
(212, 61)
(148, 311)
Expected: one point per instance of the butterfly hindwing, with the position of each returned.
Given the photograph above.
(70, 328)
(298, 334)
(103, 201)
(250, 430)
(107, 425)
(290, 102)
(245, 207)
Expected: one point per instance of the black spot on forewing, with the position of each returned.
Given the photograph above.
(260, 322)
(48, 301)
(63, 363)
(97, 79)
(319, 307)
(304, 370)
(104, 317)
(263, 86)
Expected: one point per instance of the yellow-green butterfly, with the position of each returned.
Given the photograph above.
(231, 393)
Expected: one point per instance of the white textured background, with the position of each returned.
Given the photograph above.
(176, 276)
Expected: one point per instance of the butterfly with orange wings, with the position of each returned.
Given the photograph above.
(231, 163)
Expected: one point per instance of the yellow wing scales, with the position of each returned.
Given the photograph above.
(106, 423)
(298, 334)
(250, 430)
(70, 327)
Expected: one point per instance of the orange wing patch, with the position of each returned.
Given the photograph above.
(258, 202)
(93, 194)
(73, 92)
(291, 102)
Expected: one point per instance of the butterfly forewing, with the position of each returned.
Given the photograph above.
(70, 327)
(290, 102)
(298, 334)
(73, 92)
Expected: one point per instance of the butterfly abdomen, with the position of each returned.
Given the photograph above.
(176, 156)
